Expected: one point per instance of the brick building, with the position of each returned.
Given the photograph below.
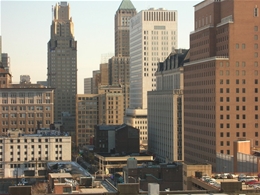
(221, 81)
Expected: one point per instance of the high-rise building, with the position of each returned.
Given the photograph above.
(221, 81)
(123, 15)
(153, 35)
(6, 61)
(103, 67)
(165, 110)
(95, 81)
(88, 85)
(62, 61)
(119, 64)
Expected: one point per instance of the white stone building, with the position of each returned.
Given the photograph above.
(153, 35)
(24, 155)
(165, 110)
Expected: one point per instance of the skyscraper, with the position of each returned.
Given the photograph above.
(119, 64)
(221, 81)
(123, 15)
(165, 109)
(62, 61)
(153, 35)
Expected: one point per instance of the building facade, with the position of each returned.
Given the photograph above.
(221, 81)
(62, 61)
(106, 107)
(124, 13)
(88, 85)
(24, 106)
(165, 110)
(122, 139)
(25, 155)
(153, 35)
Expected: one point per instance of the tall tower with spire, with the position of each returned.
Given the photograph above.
(62, 61)
(125, 11)
(119, 64)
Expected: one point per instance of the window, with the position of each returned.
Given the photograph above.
(244, 134)
(228, 134)
(227, 116)
(244, 116)
(228, 125)
(227, 90)
(237, 134)
(256, 134)
(228, 152)
(227, 107)
(237, 99)
(221, 134)
(222, 143)
(221, 99)
(256, 11)
(256, 116)
(221, 116)
(237, 116)
(227, 99)
(237, 81)
(237, 125)
(221, 90)
(237, 107)
(228, 143)
(256, 81)
(227, 81)
(243, 45)
(244, 125)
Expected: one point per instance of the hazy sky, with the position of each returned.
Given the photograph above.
(25, 30)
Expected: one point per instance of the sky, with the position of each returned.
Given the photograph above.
(25, 31)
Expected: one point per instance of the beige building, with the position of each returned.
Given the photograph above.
(62, 61)
(165, 110)
(124, 13)
(24, 106)
(221, 81)
(23, 155)
(119, 75)
(104, 74)
(93, 109)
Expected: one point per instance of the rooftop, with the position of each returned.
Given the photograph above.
(126, 5)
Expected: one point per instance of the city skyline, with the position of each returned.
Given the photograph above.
(26, 54)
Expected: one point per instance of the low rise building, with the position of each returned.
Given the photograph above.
(27, 154)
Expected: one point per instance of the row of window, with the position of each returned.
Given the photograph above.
(237, 134)
(30, 94)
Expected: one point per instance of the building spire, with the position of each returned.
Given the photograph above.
(126, 4)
